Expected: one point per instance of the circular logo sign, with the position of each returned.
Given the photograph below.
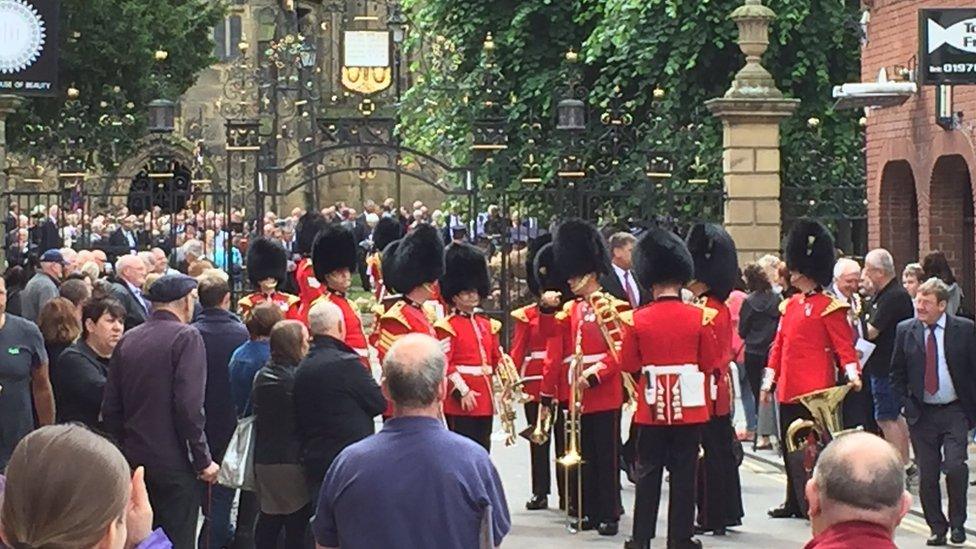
(22, 36)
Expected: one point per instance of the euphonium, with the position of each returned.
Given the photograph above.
(828, 419)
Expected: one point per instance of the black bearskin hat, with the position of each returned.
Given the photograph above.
(334, 248)
(579, 250)
(531, 277)
(715, 258)
(465, 268)
(544, 269)
(810, 251)
(418, 259)
(266, 259)
(387, 230)
(660, 256)
(388, 274)
(308, 227)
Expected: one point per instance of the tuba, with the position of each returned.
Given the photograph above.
(805, 438)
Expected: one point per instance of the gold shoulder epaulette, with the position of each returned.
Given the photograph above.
(395, 312)
(325, 297)
(565, 312)
(292, 299)
(627, 317)
(496, 326)
(245, 302)
(834, 305)
(520, 314)
(445, 324)
(782, 306)
(708, 315)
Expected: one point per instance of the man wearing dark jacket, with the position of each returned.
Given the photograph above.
(336, 399)
(222, 333)
(131, 272)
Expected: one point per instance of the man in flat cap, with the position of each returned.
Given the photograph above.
(153, 406)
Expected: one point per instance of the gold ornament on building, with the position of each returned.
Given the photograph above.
(160, 55)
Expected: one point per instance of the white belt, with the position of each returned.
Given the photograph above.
(587, 359)
(364, 352)
(674, 369)
(470, 370)
(536, 355)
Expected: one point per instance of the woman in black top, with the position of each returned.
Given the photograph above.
(282, 491)
(758, 319)
(79, 378)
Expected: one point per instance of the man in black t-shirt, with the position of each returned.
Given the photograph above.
(891, 304)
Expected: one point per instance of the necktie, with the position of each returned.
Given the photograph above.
(931, 362)
(630, 291)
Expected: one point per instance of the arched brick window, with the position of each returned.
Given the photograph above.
(899, 212)
(951, 227)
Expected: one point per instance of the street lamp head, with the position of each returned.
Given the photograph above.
(162, 116)
(571, 115)
(398, 24)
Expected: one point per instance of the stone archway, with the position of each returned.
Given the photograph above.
(951, 223)
(898, 217)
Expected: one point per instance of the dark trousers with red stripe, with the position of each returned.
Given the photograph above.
(599, 442)
(719, 491)
(674, 447)
(539, 455)
(477, 428)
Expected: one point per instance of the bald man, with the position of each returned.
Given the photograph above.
(857, 494)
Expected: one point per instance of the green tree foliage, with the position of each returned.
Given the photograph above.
(686, 48)
(107, 54)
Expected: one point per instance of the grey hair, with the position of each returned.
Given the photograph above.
(840, 479)
(936, 287)
(125, 261)
(413, 370)
(845, 265)
(324, 317)
(621, 239)
(881, 259)
(194, 247)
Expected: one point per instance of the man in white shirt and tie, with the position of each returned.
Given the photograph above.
(621, 282)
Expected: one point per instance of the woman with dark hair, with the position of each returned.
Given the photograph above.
(79, 378)
(60, 326)
(48, 503)
(16, 279)
(935, 265)
(282, 491)
(757, 328)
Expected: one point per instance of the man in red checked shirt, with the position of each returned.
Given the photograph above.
(672, 348)
(267, 263)
(334, 261)
(588, 329)
(470, 342)
(814, 339)
(309, 287)
(719, 491)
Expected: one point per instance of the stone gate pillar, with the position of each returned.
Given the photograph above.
(751, 111)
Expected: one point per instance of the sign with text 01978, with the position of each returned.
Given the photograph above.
(29, 45)
(947, 53)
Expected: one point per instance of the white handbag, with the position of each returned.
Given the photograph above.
(237, 468)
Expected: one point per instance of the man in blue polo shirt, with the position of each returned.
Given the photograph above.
(425, 487)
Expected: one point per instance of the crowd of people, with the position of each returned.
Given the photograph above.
(139, 343)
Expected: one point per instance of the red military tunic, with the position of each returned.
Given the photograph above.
(309, 287)
(470, 343)
(720, 384)
(374, 269)
(672, 343)
(813, 339)
(400, 318)
(355, 337)
(289, 304)
(578, 318)
(528, 350)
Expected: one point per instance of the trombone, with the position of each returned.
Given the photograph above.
(572, 457)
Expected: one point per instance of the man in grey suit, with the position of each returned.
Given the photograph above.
(933, 371)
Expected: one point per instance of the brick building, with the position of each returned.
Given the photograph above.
(920, 193)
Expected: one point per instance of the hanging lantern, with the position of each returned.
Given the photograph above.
(571, 115)
(162, 116)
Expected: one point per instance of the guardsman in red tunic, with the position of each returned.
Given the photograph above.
(719, 491)
(387, 230)
(528, 352)
(411, 267)
(470, 342)
(814, 339)
(267, 263)
(309, 288)
(334, 259)
(672, 348)
(587, 332)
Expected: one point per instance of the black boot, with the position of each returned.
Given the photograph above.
(784, 512)
(537, 503)
(608, 528)
(634, 544)
(690, 543)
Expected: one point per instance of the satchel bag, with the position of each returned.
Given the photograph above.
(237, 468)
